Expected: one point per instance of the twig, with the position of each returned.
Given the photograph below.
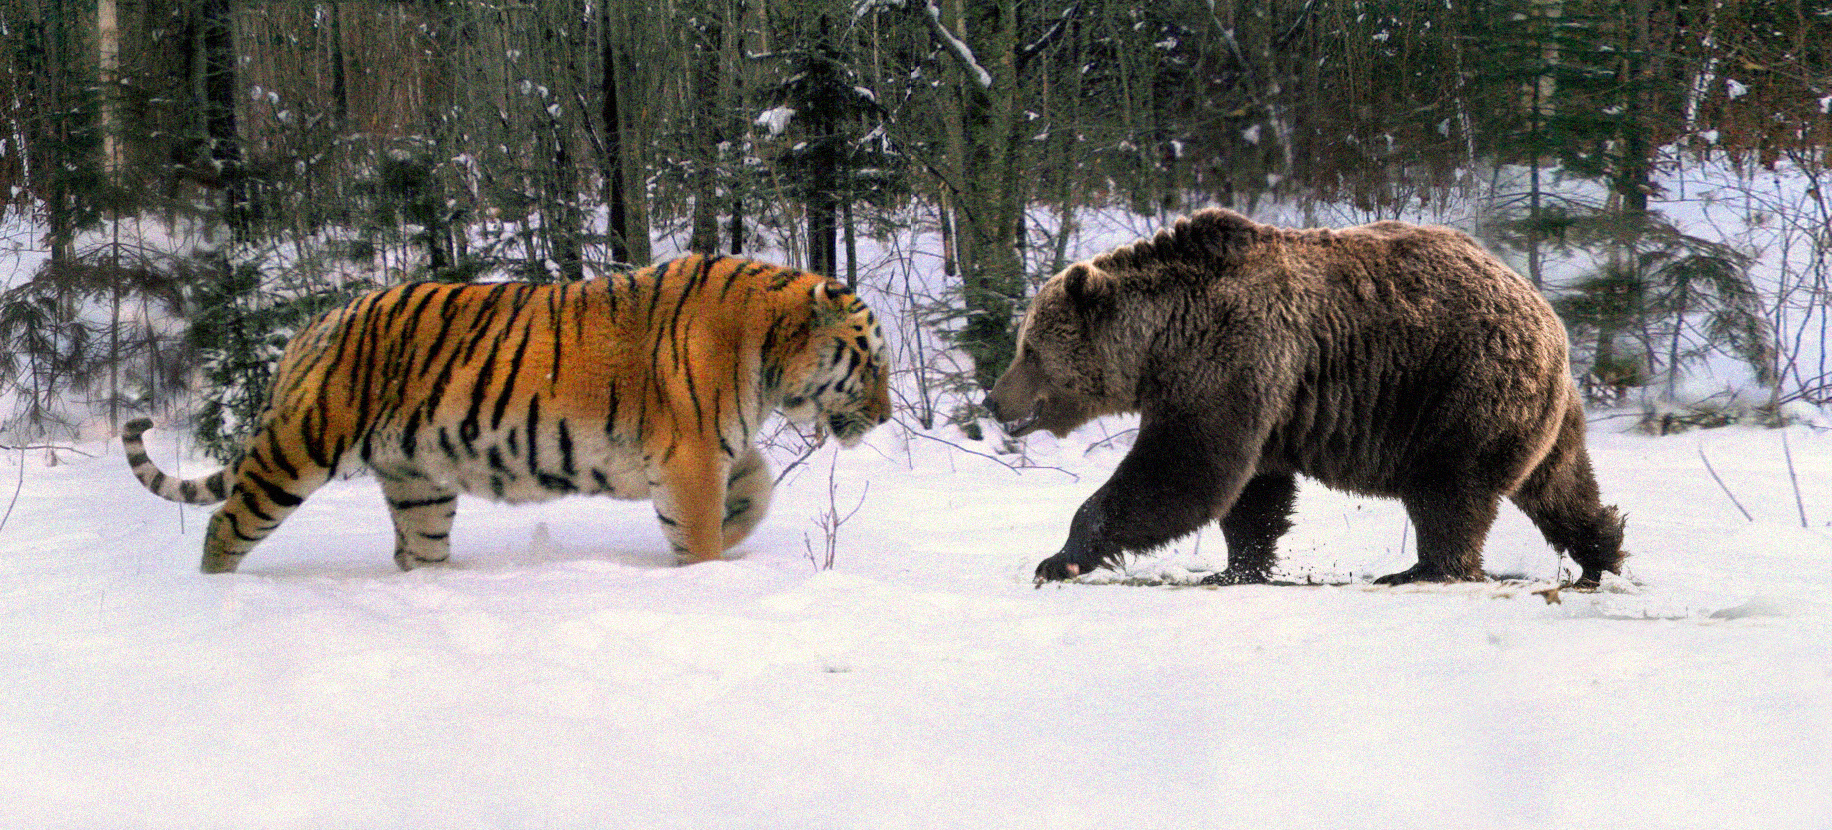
(16, 488)
(1111, 440)
(800, 459)
(1720, 484)
(1793, 479)
(831, 521)
(47, 447)
(1008, 465)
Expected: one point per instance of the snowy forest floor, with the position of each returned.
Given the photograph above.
(563, 674)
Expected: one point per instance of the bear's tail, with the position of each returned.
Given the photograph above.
(210, 489)
(1562, 499)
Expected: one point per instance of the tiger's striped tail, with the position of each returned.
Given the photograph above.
(210, 489)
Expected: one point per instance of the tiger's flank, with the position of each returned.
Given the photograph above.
(647, 385)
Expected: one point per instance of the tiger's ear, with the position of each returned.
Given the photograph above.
(829, 301)
(830, 292)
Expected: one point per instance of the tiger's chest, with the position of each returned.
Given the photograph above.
(515, 464)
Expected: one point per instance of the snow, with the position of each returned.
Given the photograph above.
(775, 120)
(562, 674)
(962, 52)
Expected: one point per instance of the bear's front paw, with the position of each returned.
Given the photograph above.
(1057, 568)
(1424, 573)
(1233, 576)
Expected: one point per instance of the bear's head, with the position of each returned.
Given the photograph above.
(1064, 372)
(1087, 336)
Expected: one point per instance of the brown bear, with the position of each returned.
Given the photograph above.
(1387, 359)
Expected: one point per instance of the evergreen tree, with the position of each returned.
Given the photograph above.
(836, 151)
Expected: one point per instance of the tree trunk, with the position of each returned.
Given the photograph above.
(706, 125)
(622, 173)
(988, 192)
(217, 42)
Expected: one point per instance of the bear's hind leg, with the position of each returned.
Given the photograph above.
(1451, 526)
(1562, 499)
(1261, 515)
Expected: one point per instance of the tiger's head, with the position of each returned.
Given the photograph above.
(842, 377)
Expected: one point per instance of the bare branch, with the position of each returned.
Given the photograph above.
(1720, 484)
(1048, 38)
(961, 51)
(1007, 464)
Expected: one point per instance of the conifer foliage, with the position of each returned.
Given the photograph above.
(226, 165)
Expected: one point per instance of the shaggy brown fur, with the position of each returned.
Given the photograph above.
(1386, 359)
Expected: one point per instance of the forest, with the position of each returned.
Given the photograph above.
(182, 182)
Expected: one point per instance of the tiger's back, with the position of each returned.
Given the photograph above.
(650, 384)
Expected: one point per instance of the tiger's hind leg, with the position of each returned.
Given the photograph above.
(423, 511)
(270, 483)
(747, 496)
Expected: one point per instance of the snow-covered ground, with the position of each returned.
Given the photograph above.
(562, 674)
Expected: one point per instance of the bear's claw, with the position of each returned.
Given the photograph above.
(1235, 577)
(1056, 569)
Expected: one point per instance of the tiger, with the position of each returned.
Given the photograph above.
(650, 384)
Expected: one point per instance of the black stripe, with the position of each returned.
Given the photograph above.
(468, 428)
(279, 497)
(414, 504)
(270, 457)
(235, 527)
(564, 437)
(445, 444)
(361, 371)
(534, 434)
(313, 447)
(514, 374)
(658, 279)
(436, 389)
(556, 323)
(483, 323)
(410, 438)
(254, 508)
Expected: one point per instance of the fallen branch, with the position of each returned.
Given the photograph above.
(1720, 484)
(1008, 465)
(16, 488)
(1793, 479)
(58, 447)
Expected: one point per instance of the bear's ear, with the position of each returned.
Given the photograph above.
(1220, 233)
(1090, 289)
